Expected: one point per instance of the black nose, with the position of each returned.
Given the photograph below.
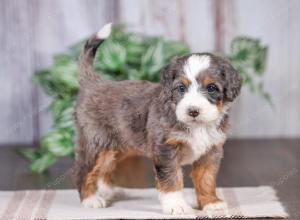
(193, 112)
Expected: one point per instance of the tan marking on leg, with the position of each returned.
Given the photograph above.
(204, 178)
(167, 187)
(105, 164)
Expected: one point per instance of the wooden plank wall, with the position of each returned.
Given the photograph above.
(277, 24)
(32, 31)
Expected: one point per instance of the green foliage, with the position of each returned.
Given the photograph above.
(249, 58)
(123, 56)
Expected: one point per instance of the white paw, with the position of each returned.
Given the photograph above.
(173, 203)
(180, 209)
(220, 205)
(106, 191)
(94, 201)
(211, 208)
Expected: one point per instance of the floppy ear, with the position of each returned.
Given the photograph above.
(167, 76)
(233, 81)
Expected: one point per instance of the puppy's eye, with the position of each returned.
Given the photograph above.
(212, 88)
(181, 89)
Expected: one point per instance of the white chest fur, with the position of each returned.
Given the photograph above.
(200, 140)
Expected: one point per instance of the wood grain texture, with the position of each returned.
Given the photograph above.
(198, 25)
(275, 23)
(16, 68)
(33, 31)
(152, 17)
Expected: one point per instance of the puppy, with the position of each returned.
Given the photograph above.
(181, 120)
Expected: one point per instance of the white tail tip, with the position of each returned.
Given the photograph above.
(105, 31)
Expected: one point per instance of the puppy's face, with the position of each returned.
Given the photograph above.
(200, 86)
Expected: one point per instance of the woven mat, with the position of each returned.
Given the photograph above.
(245, 202)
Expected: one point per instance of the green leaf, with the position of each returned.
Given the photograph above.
(59, 142)
(260, 61)
(153, 60)
(59, 105)
(248, 52)
(249, 58)
(65, 71)
(134, 74)
(30, 154)
(134, 52)
(44, 79)
(43, 163)
(61, 79)
(111, 57)
(62, 111)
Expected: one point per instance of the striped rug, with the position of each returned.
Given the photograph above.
(244, 202)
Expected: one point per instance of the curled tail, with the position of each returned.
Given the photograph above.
(86, 66)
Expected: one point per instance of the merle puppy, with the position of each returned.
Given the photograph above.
(181, 120)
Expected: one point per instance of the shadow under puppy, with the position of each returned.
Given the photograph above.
(182, 120)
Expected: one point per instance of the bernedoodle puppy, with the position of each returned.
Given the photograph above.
(181, 120)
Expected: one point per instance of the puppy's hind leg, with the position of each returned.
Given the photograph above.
(97, 189)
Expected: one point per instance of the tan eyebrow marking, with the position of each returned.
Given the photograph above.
(185, 82)
(207, 80)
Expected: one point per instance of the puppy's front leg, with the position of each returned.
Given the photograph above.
(204, 175)
(169, 182)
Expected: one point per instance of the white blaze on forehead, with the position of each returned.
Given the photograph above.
(203, 132)
(195, 64)
(193, 98)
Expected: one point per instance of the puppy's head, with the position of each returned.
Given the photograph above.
(200, 86)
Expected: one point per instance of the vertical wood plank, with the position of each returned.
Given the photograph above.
(15, 73)
(275, 23)
(31, 33)
(154, 18)
(190, 21)
(218, 10)
(199, 25)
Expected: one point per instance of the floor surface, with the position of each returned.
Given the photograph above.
(246, 163)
